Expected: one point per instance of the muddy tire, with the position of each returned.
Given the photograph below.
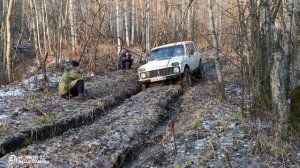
(186, 80)
(200, 73)
(144, 86)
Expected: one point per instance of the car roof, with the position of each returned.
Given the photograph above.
(172, 44)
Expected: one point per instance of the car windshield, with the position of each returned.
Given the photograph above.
(166, 52)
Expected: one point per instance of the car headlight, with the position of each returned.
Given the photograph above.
(143, 75)
(176, 70)
(142, 69)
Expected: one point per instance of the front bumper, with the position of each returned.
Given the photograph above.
(168, 77)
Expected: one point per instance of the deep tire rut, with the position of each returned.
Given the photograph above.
(110, 140)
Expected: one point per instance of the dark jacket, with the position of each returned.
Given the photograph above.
(123, 61)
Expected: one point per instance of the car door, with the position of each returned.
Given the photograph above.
(197, 55)
(192, 56)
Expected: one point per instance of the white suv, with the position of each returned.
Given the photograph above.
(172, 61)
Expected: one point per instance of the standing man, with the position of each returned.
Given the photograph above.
(72, 82)
(125, 60)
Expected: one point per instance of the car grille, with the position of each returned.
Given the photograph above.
(160, 72)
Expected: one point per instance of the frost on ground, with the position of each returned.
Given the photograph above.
(32, 102)
(198, 130)
(209, 132)
(107, 141)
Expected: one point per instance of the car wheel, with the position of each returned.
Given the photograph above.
(200, 73)
(186, 80)
(144, 86)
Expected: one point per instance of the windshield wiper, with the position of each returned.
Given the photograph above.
(164, 58)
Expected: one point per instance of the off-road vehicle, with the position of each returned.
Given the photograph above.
(178, 60)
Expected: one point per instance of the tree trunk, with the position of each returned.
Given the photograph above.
(8, 41)
(220, 21)
(35, 38)
(133, 16)
(3, 36)
(47, 27)
(173, 20)
(265, 87)
(213, 35)
(147, 4)
(127, 22)
(191, 21)
(72, 26)
(282, 78)
(296, 60)
(43, 24)
(118, 26)
(37, 30)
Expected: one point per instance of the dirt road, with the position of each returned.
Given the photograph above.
(163, 126)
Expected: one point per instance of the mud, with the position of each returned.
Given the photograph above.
(160, 127)
(101, 96)
(108, 141)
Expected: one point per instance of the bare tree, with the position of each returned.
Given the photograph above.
(191, 28)
(215, 49)
(133, 21)
(148, 19)
(72, 26)
(118, 26)
(296, 60)
(8, 41)
(280, 84)
(35, 34)
(127, 22)
(3, 36)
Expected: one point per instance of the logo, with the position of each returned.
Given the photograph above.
(12, 159)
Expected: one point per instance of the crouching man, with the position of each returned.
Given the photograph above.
(71, 83)
(125, 60)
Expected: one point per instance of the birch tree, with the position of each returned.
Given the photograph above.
(118, 26)
(127, 22)
(47, 27)
(280, 84)
(8, 41)
(215, 49)
(72, 26)
(133, 17)
(3, 36)
(40, 53)
(147, 5)
(35, 35)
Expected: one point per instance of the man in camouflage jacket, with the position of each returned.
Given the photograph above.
(72, 82)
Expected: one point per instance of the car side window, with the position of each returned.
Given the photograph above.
(196, 49)
(190, 49)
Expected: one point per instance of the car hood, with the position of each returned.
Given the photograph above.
(159, 64)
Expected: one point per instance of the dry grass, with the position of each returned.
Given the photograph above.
(281, 153)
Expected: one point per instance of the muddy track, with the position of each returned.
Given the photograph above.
(111, 138)
(100, 107)
(41, 133)
(150, 154)
(140, 154)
